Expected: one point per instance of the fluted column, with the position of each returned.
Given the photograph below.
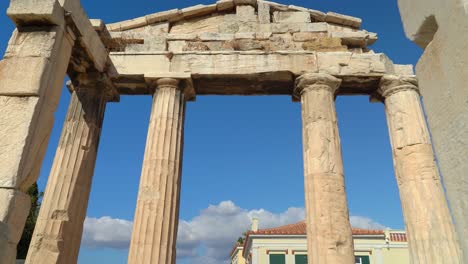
(59, 226)
(428, 223)
(157, 211)
(329, 235)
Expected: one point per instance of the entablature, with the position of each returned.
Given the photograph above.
(251, 72)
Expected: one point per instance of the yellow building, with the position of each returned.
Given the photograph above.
(288, 245)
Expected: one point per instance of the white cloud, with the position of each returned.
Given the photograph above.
(106, 232)
(215, 230)
(208, 237)
(364, 222)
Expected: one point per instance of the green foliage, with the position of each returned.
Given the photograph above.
(23, 245)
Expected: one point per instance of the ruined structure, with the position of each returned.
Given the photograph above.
(441, 29)
(232, 47)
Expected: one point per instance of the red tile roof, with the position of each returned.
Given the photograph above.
(300, 229)
(398, 237)
(235, 247)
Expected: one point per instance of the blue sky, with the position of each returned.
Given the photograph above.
(242, 155)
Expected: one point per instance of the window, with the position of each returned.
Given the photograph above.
(277, 259)
(300, 259)
(361, 260)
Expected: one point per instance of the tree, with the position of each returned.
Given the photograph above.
(23, 245)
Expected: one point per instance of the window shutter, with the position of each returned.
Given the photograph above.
(365, 260)
(277, 259)
(301, 259)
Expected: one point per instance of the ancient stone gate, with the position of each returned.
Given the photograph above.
(241, 47)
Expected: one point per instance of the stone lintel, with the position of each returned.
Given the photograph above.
(360, 73)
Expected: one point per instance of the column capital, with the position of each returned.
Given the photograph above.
(391, 84)
(167, 83)
(94, 83)
(315, 81)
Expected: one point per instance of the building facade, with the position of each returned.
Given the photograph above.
(288, 245)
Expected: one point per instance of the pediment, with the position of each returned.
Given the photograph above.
(241, 25)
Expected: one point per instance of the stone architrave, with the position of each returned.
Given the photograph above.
(431, 235)
(59, 226)
(157, 211)
(31, 80)
(329, 234)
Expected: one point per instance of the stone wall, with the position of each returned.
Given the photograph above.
(260, 26)
(441, 28)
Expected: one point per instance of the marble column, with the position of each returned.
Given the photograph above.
(59, 226)
(157, 211)
(429, 226)
(329, 234)
(31, 79)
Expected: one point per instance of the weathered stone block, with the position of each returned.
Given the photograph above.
(315, 14)
(215, 36)
(140, 64)
(281, 42)
(20, 146)
(133, 23)
(347, 63)
(196, 46)
(157, 43)
(276, 6)
(246, 13)
(198, 10)
(224, 5)
(285, 27)
(249, 26)
(33, 43)
(16, 82)
(356, 38)
(176, 36)
(314, 27)
(332, 62)
(248, 44)
(264, 16)
(229, 27)
(162, 16)
(324, 44)
(208, 46)
(34, 12)
(14, 209)
(263, 35)
(403, 69)
(245, 35)
(291, 17)
(245, 2)
(378, 63)
(95, 49)
(152, 29)
(200, 25)
(176, 46)
(244, 63)
(307, 36)
(343, 20)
